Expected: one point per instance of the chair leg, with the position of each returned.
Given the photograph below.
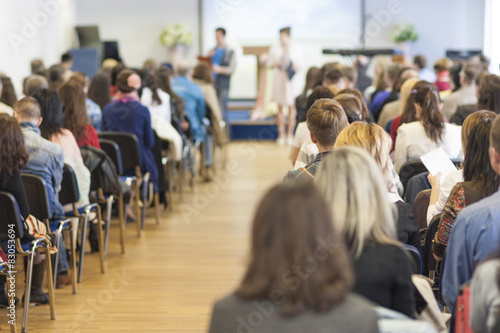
(157, 206)
(171, 185)
(13, 326)
(145, 189)
(138, 208)
(27, 292)
(109, 205)
(121, 214)
(182, 178)
(56, 263)
(82, 247)
(48, 271)
(100, 239)
(73, 260)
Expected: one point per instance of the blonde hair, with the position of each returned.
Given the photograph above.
(352, 185)
(406, 89)
(381, 65)
(443, 64)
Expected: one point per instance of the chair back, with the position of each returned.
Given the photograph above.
(69, 187)
(410, 169)
(9, 211)
(430, 264)
(37, 196)
(129, 146)
(420, 206)
(112, 149)
(415, 257)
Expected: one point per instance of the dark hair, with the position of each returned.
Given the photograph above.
(222, 30)
(420, 61)
(427, 96)
(317, 93)
(8, 92)
(115, 71)
(163, 75)
(477, 165)
(326, 67)
(51, 107)
(38, 68)
(99, 89)
(313, 79)
(273, 252)
(202, 72)
(80, 77)
(122, 81)
(471, 71)
(149, 81)
(13, 155)
(286, 30)
(75, 116)
(455, 74)
(33, 83)
(400, 78)
(66, 57)
(364, 107)
(333, 76)
(55, 76)
(489, 93)
(351, 105)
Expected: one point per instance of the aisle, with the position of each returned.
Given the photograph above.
(169, 278)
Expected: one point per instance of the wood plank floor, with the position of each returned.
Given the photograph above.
(169, 278)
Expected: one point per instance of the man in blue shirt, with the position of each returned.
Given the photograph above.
(475, 234)
(195, 108)
(223, 64)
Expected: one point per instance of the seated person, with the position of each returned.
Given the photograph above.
(45, 159)
(424, 73)
(277, 281)
(94, 111)
(475, 234)
(430, 132)
(333, 79)
(356, 192)
(4, 108)
(365, 112)
(325, 120)
(34, 83)
(442, 68)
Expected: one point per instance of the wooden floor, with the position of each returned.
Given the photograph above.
(169, 278)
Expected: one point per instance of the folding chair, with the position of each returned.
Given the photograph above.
(410, 169)
(39, 203)
(415, 257)
(132, 161)
(69, 194)
(11, 216)
(6, 271)
(430, 264)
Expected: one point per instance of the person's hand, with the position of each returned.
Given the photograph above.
(434, 180)
(216, 69)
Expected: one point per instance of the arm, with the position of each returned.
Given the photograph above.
(227, 70)
(58, 165)
(436, 187)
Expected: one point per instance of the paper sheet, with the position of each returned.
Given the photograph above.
(437, 161)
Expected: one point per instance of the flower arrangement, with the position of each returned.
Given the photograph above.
(403, 32)
(176, 34)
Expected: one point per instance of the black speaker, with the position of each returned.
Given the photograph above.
(110, 50)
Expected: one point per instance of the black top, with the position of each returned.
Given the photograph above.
(407, 226)
(462, 112)
(383, 276)
(15, 187)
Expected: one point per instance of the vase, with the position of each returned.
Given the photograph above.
(177, 53)
(405, 48)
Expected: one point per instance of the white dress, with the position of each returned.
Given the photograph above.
(284, 89)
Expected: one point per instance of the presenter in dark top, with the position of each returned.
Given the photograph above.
(223, 64)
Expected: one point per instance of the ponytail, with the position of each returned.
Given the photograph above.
(432, 119)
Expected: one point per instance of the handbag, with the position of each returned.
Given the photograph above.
(462, 310)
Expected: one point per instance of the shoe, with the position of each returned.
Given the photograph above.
(4, 301)
(290, 140)
(281, 141)
(38, 297)
(63, 280)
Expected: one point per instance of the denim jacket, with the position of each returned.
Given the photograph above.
(46, 160)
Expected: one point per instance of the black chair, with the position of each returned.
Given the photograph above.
(415, 258)
(11, 227)
(430, 264)
(112, 149)
(410, 169)
(39, 203)
(132, 161)
(69, 195)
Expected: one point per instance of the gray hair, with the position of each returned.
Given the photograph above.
(35, 83)
(183, 68)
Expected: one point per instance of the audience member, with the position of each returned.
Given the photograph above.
(7, 93)
(360, 65)
(395, 108)
(4, 108)
(99, 90)
(295, 298)
(164, 76)
(475, 234)
(429, 132)
(67, 64)
(334, 80)
(408, 112)
(55, 76)
(351, 105)
(381, 64)
(365, 112)
(350, 76)
(313, 79)
(354, 188)
(480, 181)
(388, 77)
(325, 120)
(424, 73)
(34, 83)
(455, 75)
(442, 68)
(38, 67)
(467, 92)
(93, 109)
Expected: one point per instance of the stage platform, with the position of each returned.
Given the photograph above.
(242, 128)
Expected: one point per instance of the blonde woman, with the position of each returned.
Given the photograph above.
(373, 139)
(352, 183)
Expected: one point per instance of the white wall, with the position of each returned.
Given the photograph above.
(137, 25)
(33, 29)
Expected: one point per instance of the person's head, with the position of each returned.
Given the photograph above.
(313, 79)
(12, 150)
(328, 66)
(354, 188)
(351, 105)
(55, 76)
(334, 77)
(220, 35)
(82, 79)
(442, 65)
(51, 112)
(27, 109)
(108, 65)
(163, 75)
(67, 60)
(7, 92)
(419, 62)
(428, 107)
(373, 139)
(99, 89)
(494, 150)
(325, 119)
(477, 165)
(406, 89)
(74, 107)
(203, 72)
(38, 67)
(115, 71)
(285, 35)
(472, 120)
(390, 77)
(184, 68)
(402, 75)
(128, 81)
(317, 93)
(489, 93)
(456, 75)
(380, 69)
(469, 73)
(34, 83)
(350, 75)
(150, 65)
(314, 243)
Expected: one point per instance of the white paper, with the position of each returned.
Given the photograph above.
(437, 161)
